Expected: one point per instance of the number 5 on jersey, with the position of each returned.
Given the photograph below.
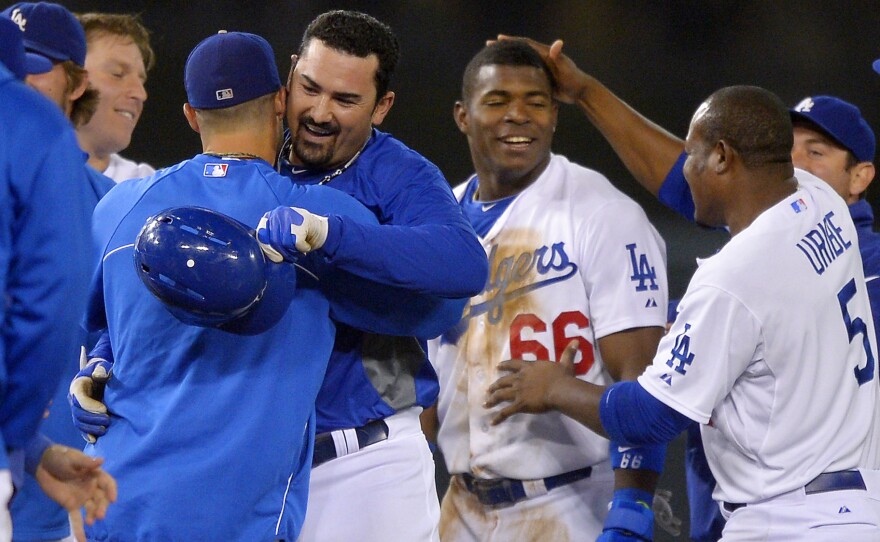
(856, 327)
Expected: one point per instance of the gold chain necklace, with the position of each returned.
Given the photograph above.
(235, 155)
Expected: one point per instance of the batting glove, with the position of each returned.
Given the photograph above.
(629, 519)
(85, 394)
(287, 232)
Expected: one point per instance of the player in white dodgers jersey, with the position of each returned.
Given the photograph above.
(570, 257)
(772, 350)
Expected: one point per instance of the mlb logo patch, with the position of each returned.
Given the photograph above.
(799, 205)
(216, 170)
(224, 94)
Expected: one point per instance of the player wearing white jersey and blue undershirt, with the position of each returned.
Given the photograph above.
(831, 140)
(775, 357)
(571, 257)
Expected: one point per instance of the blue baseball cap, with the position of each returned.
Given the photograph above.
(12, 48)
(51, 34)
(842, 121)
(230, 68)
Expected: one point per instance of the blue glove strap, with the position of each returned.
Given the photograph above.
(638, 457)
(628, 519)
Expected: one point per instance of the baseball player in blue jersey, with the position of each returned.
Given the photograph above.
(246, 400)
(831, 141)
(372, 465)
(377, 382)
(45, 267)
(571, 257)
(55, 44)
(775, 360)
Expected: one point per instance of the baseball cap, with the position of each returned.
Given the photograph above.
(230, 68)
(11, 48)
(51, 34)
(842, 121)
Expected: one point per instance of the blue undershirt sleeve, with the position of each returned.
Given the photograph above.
(633, 417)
(675, 192)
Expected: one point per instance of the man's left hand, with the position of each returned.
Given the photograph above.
(528, 386)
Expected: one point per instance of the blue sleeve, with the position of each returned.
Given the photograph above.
(33, 452)
(102, 348)
(46, 246)
(426, 246)
(675, 192)
(633, 417)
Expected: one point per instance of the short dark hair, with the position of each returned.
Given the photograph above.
(503, 53)
(358, 34)
(754, 121)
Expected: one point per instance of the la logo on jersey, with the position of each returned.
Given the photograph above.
(642, 271)
(216, 170)
(681, 352)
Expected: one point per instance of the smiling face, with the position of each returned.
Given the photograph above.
(116, 70)
(509, 119)
(332, 105)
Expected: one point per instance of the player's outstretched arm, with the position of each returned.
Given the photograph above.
(538, 386)
(647, 150)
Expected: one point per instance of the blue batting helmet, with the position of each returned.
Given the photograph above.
(206, 267)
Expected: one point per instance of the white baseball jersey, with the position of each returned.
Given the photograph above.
(570, 257)
(772, 350)
(122, 169)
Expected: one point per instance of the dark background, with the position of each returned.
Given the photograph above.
(663, 57)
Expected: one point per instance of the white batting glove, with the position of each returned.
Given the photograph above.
(286, 232)
(85, 394)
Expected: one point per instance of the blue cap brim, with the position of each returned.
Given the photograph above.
(36, 63)
(877, 65)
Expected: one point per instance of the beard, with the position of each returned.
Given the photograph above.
(309, 153)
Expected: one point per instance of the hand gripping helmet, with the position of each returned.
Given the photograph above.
(206, 267)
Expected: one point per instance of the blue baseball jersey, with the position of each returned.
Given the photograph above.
(208, 426)
(430, 250)
(45, 210)
(706, 520)
(36, 516)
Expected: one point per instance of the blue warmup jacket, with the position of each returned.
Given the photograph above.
(211, 431)
(426, 247)
(37, 517)
(45, 211)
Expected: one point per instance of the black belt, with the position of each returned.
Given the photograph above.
(505, 490)
(325, 447)
(825, 482)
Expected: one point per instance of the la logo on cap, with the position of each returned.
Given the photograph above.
(225, 94)
(805, 106)
(18, 18)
